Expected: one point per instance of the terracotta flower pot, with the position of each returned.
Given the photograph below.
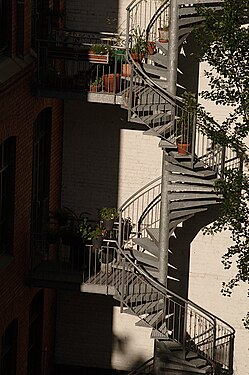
(109, 80)
(183, 148)
(163, 35)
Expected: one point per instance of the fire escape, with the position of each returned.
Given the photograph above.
(135, 265)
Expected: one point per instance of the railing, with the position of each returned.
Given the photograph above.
(175, 318)
(111, 269)
(66, 63)
(134, 208)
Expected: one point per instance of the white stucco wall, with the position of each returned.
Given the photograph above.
(207, 272)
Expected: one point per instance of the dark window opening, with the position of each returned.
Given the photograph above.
(41, 171)
(4, 26)
(9, 349)
(7, 194)
(35, 335)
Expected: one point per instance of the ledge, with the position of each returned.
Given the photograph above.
(10, 67)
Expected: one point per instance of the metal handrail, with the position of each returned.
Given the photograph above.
(184, 309)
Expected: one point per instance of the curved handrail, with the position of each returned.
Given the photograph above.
(187, 313)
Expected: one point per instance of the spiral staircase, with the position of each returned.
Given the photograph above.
(188, 339)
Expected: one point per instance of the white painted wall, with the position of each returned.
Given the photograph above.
(207, 272)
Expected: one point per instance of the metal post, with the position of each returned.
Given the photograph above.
(164, 226)
(173, 46)
(164, 210)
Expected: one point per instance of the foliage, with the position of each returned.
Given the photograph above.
(224, 45)
(97, 231)
(106, 213)
(139, 42)
(101, 49)
(71, 224)
(97, 82)
(188, 114)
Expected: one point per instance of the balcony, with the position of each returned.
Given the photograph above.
(73, 64)
(75, 265)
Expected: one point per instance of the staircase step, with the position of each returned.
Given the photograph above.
(161, 332)
(191, 188)
(194, 203)
(149, 307)
(151, 107)
(187, 21)
(167, 145)
(156, 118)
(147, 244)
(160, 59)
(192, 196)
(155, 70)
(180, 213)
(154, 273)
(162, 46)
(191, 179)
(140, 299)
(154, 234)
(175, 166)
(145, 258)
(161, 129)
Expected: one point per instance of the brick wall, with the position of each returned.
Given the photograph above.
(18, 111)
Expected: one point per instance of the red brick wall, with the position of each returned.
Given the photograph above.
(18, 111)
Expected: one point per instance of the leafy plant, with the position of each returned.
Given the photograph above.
(101, 49)
(224, 46)
(96, 232)
(106, 213)
(139, 42)
(187, 118)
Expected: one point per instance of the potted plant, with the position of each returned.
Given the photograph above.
(97, 236)
(108, 216)
(139, 44)
(186, 123)
(96, 85)
(163, 34)
(76, 230)
(99, 53)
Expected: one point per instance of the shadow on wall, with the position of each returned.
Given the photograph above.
(95, 16)
(91, 155)
(180, 246)
(189, 65)
(84, 335)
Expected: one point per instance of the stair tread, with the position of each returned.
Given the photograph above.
(145, 258)
(160, 129)
(154, 273)
(182, 213)
(195, 203)
(147, 244)
(155, 70)
(191, 179)
(159, 59)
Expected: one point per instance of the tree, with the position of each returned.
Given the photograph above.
(224, 44)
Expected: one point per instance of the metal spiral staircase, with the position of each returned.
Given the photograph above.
(188, 339)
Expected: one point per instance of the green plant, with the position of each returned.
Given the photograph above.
(73, 225)
(139, 41)
(187, 118)
(97, 82)
(101, 49)
(107, 213)
(96, 232)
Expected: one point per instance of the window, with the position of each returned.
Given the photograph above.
(7, 194)
(9, 349)
(35, 335)
(4, 25)
(41, 171)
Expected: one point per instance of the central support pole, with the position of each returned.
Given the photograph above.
(165, 209)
